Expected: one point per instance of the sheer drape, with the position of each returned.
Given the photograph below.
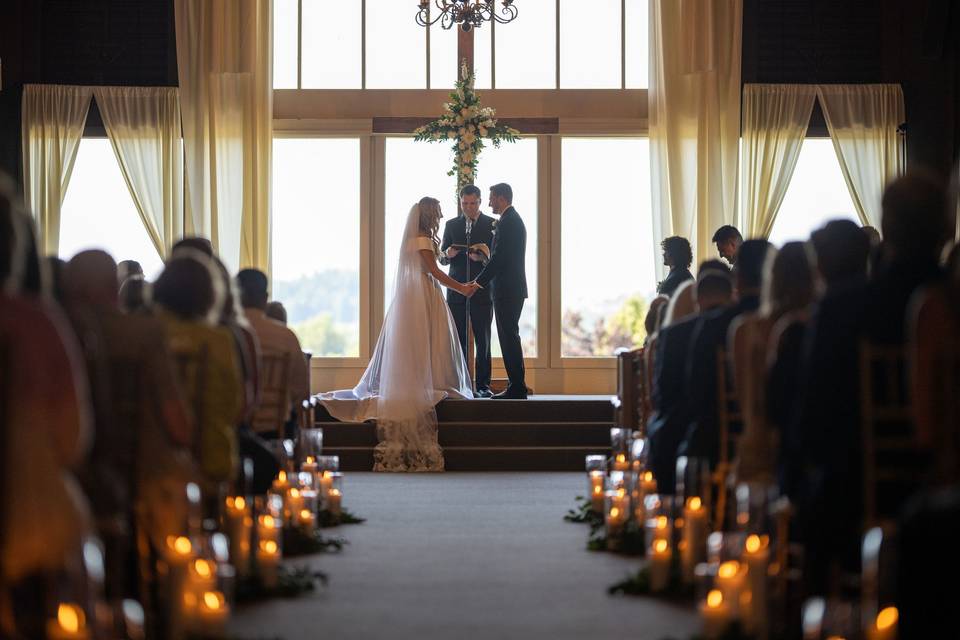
(53, 120)
(863, 120)
(143, 124)
(225, 65)
(694, 99)
(775, 120)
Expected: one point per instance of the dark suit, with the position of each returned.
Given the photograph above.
(506, 276)
(676, 277)
(462, 269)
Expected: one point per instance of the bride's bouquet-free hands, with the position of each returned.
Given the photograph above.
(470, 288)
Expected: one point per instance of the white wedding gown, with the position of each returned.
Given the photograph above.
(417, 363)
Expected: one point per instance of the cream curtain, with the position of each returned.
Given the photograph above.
(775, 120)
(694, 100)
(53, 120)
(225, 65)
(863, 120)
(143, 124)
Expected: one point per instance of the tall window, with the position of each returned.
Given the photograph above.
(316, 241)
(98, 212)
(817, 194)
(607, 268)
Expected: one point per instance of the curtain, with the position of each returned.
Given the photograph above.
(53, 120)
(225, 66)
(775, 120)
(143, 124)
(862, 120)
(694, 110)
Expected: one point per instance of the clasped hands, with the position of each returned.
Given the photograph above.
(471, 288)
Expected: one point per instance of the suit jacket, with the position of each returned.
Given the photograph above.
(507, 267)
(462, 269)
(674, 279)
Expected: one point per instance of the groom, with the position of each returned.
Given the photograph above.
(469, 230)
(507, 276)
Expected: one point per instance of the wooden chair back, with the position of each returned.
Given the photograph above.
(192, 366)
(729, 416)
(630, 389)
(274, 407)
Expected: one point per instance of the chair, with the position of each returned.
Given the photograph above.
(630, 390)
(274, 409)
(192, 368)
(728, 416)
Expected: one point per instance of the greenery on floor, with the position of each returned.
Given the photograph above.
(291, 582)
(329, 519)
(296, 542)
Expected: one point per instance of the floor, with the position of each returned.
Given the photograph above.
(465, 555)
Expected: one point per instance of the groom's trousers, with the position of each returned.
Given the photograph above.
(481, 318)
(507, 312)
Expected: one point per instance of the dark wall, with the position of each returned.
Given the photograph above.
(912, 42)
(89, 42)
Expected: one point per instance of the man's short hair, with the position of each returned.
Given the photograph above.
(750, 261)
(726, 233)
(277, 311)
(253, 288)
(503, 190)
(678, 248)
(471, 190)
(185, 287)
(203, 245)
(714, 283)
(713, 265)
(915, 221)
(842, 249)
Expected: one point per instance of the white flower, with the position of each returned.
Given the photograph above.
(483, 131)
(462, 132)
(449, 135)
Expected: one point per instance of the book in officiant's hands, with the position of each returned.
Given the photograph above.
(480, 248)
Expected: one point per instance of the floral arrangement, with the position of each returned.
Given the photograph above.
(467, 123)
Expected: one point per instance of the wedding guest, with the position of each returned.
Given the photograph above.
(873, 236)
(703, 438)
(135, 295)
(55, 273)
(651, 322)
(677, 255)
(788, 290)
(203, 245)
(127, 269)
(276, 311)
(728, 241)
(185, 294)
(669, 393)
(273, 336)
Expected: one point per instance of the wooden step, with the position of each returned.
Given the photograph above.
(484, 459)
(480, 434)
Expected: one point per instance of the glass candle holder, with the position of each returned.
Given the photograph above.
(755, 556)
(328, 463)
(696, 528)
(659, 563)
(638, 452)
(309, 444)
(620, 448)
(238, 524)
(616, 516)
(712, 605)
(659, 519)
(753, 506)
(333, 497)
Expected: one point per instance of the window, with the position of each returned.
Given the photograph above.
(526, 49)
(331, 53)
(590, 44)
(316, 241)
(817, 194)
(636, 53)
(607, 268)
(396, 46)
(98, 212)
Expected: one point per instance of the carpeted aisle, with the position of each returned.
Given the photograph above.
(465, 555)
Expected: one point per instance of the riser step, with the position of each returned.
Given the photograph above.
(532, 410)
(471, 434)
(484, 459)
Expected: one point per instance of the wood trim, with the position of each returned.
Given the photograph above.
(528, 126)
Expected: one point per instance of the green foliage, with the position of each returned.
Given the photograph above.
(298, 543)
(292, 582)
(583, 512)
(624, 328)
(328, 519)
(323, 309)
(321, 336)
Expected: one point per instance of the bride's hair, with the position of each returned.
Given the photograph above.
(430, 220)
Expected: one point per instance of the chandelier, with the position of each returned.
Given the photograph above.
(468, 14)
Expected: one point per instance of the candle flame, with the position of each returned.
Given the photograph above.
(660, 545)
(282, 476)
(597, 488)
(311, 459)
(694, 503)
(203, 568)
(648, 476)
(328, 474)
(728, 569)
(213, 600)
(714, 599)
(621, 457)
(270, 546)
(335, 492)
(294, 493)
(240, 503)
(887, 618)
(753, 543)
(70, 617)
(305, 514)
(614, 512)
(267, 520)
(621, 492)
(661, 522)
(180, 544)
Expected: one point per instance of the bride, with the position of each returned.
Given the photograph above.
(417, 361)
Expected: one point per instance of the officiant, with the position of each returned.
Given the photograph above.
(466, 249)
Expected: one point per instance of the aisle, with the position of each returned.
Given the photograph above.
(465, 555)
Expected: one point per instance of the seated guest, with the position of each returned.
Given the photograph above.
(276, 311)
(677, 255)
(873, 236)
(55, 274)
(710, 335)
(728, 241)
(669, 394)
(788, 288)
(651, 322)
(128, 269)
(185, 294)
(46, 428)
(273, 336)
(203, 245)
(135, 295)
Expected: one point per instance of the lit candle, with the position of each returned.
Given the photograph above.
(71, 623)
(326, 482)
(756, 555)
(659, 566)
(885, 626)
(294, 502)
(731, 576)
(617, 514)
(281, 483)
(268, 528)
(239, 526)
(268, 561)
(308, 521)
(309, 465)
(596, 490)
(620, 462)
(212, 613)
(648, 485)
(179, 553)
(695, 528)
(715, 614)
(334, 501)
(202, 578)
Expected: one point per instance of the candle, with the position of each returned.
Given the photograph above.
(71, 623)
(756, 555)
(307, 521)
(294, 502)
(268, 561)
(268, 528)
(596, 490)
(659, 566)
(202, 578)
(178, 554)
(648, 485)
(309, 466)
(694, 536)
(239, 526)
(731, 576)
(334, 500)
(326, 482)
(620, 462)
(885, 626)
(281, 483)
(212, 612)
(715, 614)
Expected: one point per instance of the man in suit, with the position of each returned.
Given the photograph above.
(470, 229)
(728, 241)
(507, 277)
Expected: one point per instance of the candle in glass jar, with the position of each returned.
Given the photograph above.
(694, 535)
(648, 485)
(731, 576)
(620, 462)
(239, 525)
(309, 465)
(308, 521)
(334, 501)
(281, 483)
(885, 625)
(211, 614)
(596, 490)
(202, 577)
(268, 561)
(756, 555)
(294, 502)
(326, 482)
(715, 614)
(268, 528)
(659, 565)
(71, 623)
